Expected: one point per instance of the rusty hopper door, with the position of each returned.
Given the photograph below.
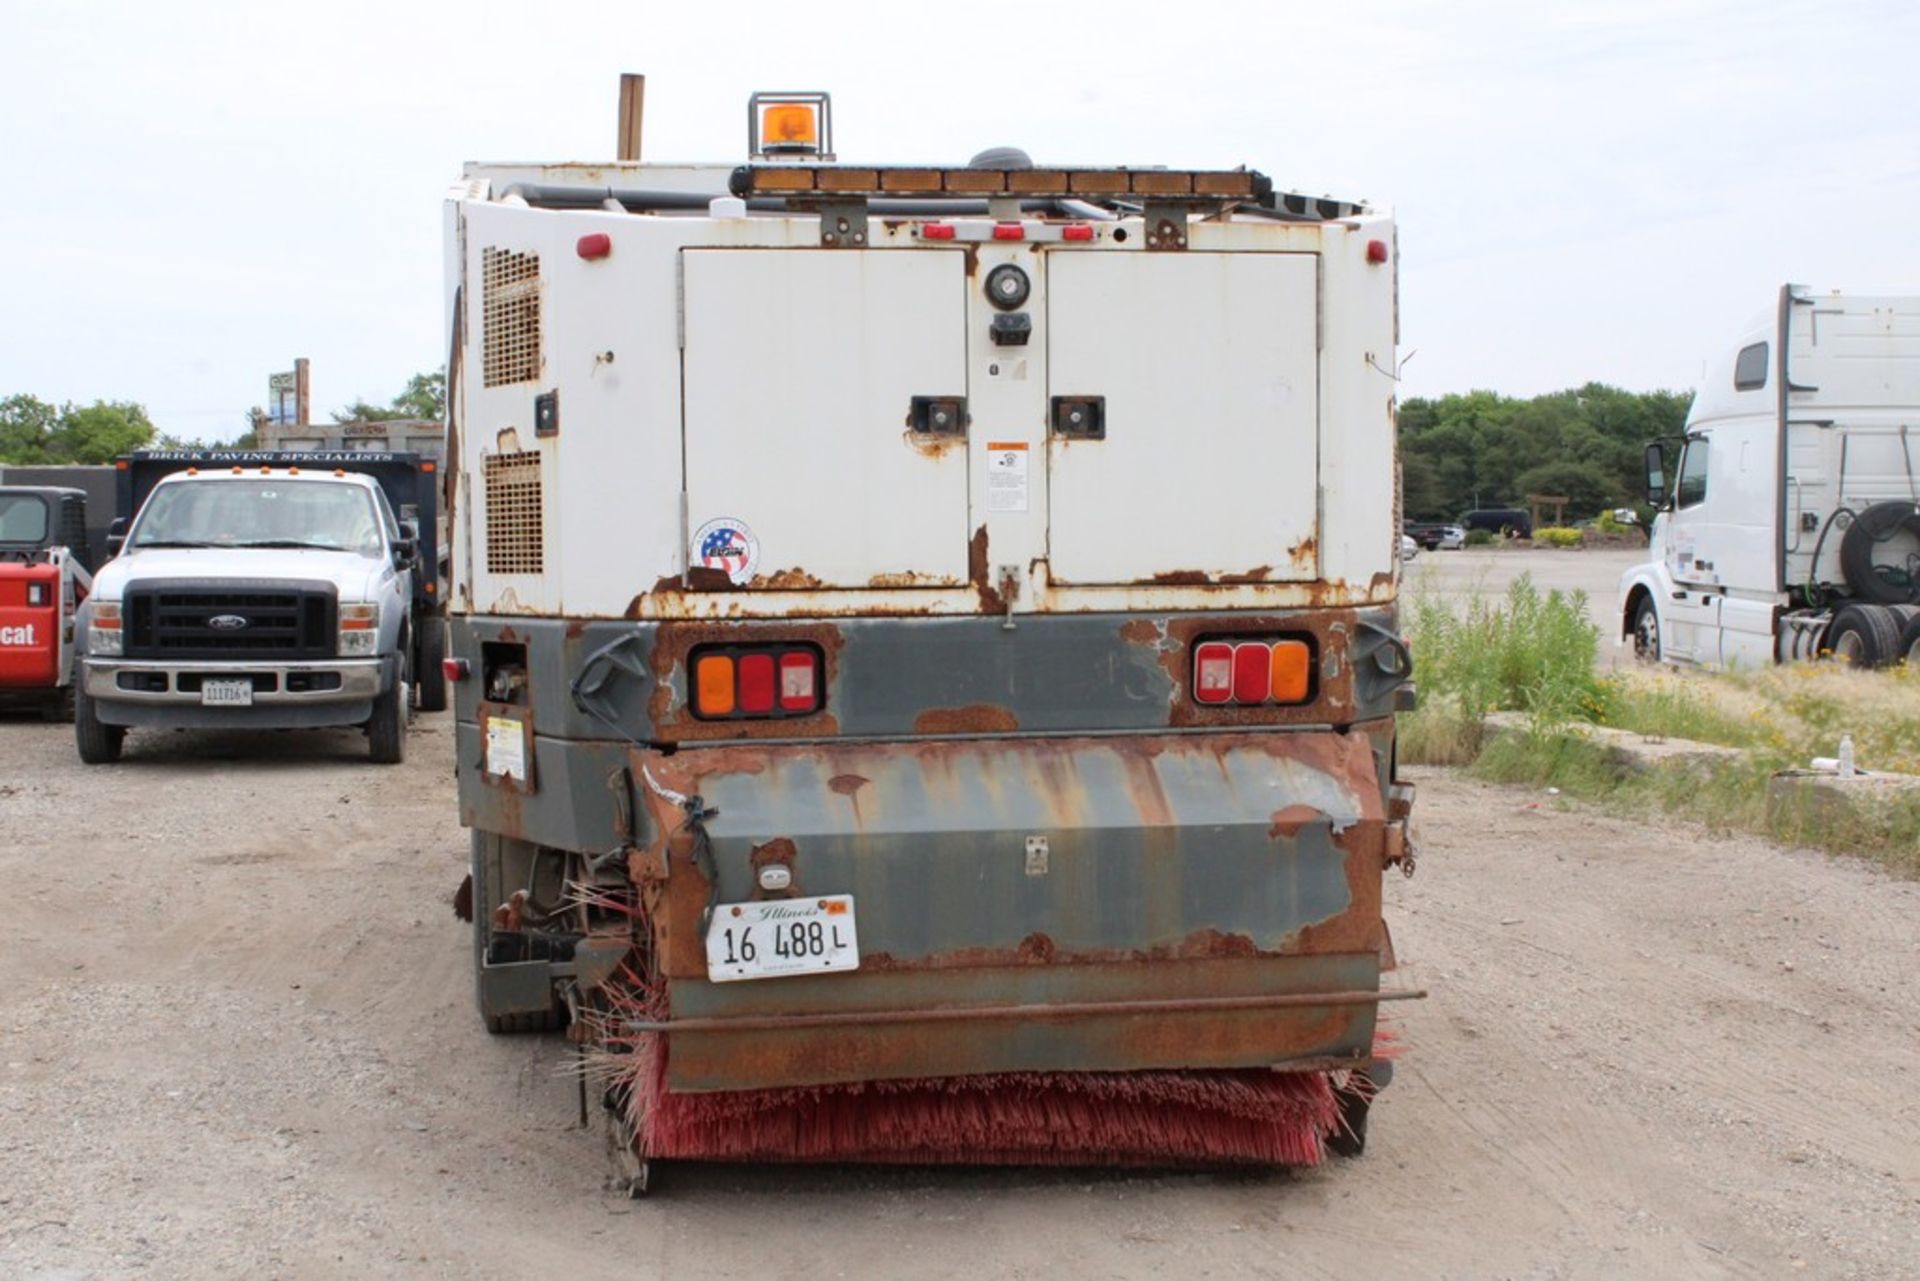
(802, 370)
(1202, 370)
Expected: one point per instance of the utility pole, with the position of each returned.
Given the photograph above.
(633, 95)
(300, 392)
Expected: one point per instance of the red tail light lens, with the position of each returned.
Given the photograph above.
(1252, 680)
(936, 231)
(454, 669)
(755, 682)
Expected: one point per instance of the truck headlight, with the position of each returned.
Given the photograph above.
(359, 631)
(103, 631)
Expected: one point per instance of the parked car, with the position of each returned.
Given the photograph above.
(1408, 548)
(1508, 522)
(1451, 538)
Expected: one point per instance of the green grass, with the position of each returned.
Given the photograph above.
(1535, 653)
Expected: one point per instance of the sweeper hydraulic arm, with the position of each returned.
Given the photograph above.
(924, 649)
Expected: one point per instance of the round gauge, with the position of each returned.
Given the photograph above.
(1007, 286)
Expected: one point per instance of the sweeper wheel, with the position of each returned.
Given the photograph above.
(1351, 1138)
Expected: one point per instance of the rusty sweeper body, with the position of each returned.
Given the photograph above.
(925, 652)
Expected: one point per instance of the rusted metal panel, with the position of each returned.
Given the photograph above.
(1220, 1013)
(1169, 856)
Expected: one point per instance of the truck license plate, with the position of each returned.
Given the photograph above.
(779, 937)
(226, 693)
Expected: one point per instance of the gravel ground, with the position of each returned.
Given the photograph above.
(236, 1037)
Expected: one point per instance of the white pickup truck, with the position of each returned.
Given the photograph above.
(251, 598)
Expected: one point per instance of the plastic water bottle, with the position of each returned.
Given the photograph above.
(1846, 756)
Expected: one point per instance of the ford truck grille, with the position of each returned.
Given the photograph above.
(188, 623)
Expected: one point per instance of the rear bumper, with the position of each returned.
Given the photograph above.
(1088, 904)
(286, 695)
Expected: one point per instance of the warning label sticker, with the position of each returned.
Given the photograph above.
(1007, 476)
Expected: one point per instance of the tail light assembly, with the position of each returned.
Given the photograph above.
(1252, 672)
(756, 682)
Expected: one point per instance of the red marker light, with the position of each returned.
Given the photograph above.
(1077, 231)
(1213, 672)
(597, 245)
(936, 231)
(799, 681)
(1376, 251)
(454, 669)
(1009, 231)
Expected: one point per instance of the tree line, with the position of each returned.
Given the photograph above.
(1480, 449)
(35, 432)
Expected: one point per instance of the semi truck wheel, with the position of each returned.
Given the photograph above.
(1646, 631)
(387, 729)
(99, 744)
(498, 862)
(428, 676)
(1864, 636)
(1909, 650)
(1880, 553)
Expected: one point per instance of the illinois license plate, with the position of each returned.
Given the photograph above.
(226, 693)
(780, 937)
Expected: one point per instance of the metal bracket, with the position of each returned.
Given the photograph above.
(1166, 225)
(843, 224)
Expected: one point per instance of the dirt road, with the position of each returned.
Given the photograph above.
(236, 1037)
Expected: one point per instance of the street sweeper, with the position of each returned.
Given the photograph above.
(924, 649)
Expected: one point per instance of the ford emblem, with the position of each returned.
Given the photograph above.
(227, 622)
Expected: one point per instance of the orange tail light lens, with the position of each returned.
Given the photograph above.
(713, 686)
(1290, 673)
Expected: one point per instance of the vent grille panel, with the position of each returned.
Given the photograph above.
(516, 535)
(510, 323)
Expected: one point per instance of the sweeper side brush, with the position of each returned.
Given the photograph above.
(1027, 1118)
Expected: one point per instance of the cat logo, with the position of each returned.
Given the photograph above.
(18, 635)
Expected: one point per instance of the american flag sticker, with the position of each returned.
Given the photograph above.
(727, 544)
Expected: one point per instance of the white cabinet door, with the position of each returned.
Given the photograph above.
(1205, 367)
(801, 368)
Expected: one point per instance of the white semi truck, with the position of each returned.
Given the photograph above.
(1790, 512)
(931, 626)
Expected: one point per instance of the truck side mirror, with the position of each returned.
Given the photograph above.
(116, 536)
(1656, 464)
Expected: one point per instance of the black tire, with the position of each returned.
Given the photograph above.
(490, 854)
(99, 744)
(1646, 631)
(1909, 645)
(429, 678)
(58, 710)
(387, 728)
(1880, 554)
(1863, 636)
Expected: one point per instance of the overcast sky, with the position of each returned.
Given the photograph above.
(199, 193)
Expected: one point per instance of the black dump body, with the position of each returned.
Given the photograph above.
(66, 524)
(411, 483)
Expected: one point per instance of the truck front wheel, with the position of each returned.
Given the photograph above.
(99, 744)
(428, 676)
(387, 729)
(1646, 631)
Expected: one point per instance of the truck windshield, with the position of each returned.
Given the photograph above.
(23, 519)
(260, 513)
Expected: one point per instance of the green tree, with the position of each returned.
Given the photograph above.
(33, 431)
(100, 432)
(425, 397)
(27, 423)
